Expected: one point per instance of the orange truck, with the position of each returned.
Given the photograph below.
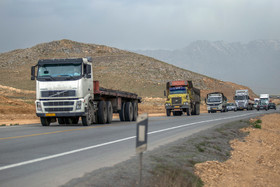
(182, 97)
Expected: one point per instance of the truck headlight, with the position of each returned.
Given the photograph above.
(78, 105)
(39, 106)
(186, 103)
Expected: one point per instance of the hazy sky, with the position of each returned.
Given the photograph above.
(136, 24)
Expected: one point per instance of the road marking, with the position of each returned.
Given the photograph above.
(111, 142)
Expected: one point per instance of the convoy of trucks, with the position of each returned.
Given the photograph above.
(216, 101)
(242, 100)
(182, 97)
(66, 91)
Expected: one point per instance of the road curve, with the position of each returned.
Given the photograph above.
(32, 155)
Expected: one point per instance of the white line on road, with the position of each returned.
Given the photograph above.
(111, 142)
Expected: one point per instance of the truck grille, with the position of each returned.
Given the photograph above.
(58, 93)
(59, 103)
(176, 101)
(59, 109)
(213, 104)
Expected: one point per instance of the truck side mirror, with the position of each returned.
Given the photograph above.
(32, 72)
(88, 71)
(164, 92)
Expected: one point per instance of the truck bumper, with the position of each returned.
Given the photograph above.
(61, 114)
(177, 108)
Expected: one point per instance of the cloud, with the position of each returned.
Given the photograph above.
(137, 24)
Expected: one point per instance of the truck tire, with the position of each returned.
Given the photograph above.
(135, 110)
(88, 119)
(128, 111)
(61, 121)
(109, 111)
(102, 112)
(121, 112)
(45, 121)
(168, 112)
(188, 112)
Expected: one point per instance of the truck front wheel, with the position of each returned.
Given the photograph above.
(128, 111)
(168, 112)
(102, 112)
(88, 119)
(45, 121)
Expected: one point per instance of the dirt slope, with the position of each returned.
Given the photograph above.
(254, 162)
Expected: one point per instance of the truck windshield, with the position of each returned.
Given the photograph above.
(68, 71)
(178, 90)
(240, 97)
(264, 101)
(214, 99)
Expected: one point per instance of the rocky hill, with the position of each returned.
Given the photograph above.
(255, 63)
(114, 68)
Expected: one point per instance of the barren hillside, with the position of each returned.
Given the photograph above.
(114, 68)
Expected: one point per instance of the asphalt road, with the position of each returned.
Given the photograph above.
(32, 155)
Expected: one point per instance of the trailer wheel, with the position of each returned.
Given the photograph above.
(102, 112)
(128, 111)
(135, 110)
(109, 111)
(61, 121)
(88, 119)
(121, 112)
(168, 112)
(45, 121)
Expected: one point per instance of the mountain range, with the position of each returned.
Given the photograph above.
(255, 64)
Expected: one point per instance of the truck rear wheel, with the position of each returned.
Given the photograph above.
(102, 112)
(109, 111)
(45, 121)
(121, 112)
(88, 119)
(128, 111)
(135, 111)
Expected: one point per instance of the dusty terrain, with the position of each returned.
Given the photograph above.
(254, 161)
(175, 164)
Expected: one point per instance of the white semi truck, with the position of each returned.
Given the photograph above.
(216, 101)
(66, 92)
(242, 100)
(264, 101)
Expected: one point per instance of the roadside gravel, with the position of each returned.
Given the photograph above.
(169, 165)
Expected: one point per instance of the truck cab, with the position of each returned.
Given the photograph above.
(216, 101)
(63, 88)
(242, 100)
(182, 97)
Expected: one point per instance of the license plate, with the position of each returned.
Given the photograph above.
(50, 114)
(177, 106)
(214, 108)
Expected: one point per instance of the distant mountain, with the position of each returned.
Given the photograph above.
(114, 68)
(255, 64)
